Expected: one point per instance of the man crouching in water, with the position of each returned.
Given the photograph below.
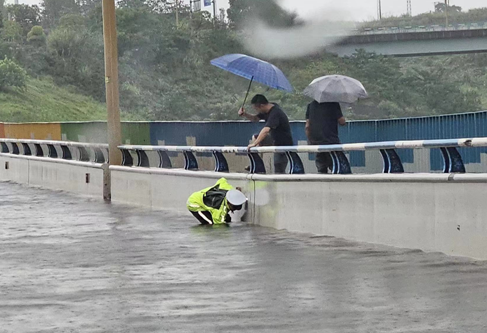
(213, 205)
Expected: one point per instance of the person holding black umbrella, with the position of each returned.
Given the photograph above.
(324, 114)
(277, 126)
(322, 120)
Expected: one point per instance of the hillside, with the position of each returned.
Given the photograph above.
(165, 71)
(44, 101)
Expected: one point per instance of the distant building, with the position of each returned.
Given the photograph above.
(200, 5)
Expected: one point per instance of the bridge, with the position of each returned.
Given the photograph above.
(416, 41)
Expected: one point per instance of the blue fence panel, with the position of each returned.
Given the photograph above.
(423, 128)
(358, 131)
(481, 129)
(394, 130)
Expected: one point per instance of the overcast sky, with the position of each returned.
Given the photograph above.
(352, 9)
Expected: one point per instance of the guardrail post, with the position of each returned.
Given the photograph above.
(190, 161)
(39, 151)
(83, 154)
(26, 149)
(4, 148)
(341, 165)
(127, 159)
(99, 157)
(392, 161)
(221, 164)
(66, 153)
(15, 149)
(142, 159)
(256, 163)
(296, 165)
(164, 160)
(52, 151)
(453, 161)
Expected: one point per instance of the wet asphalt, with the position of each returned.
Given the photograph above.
(71, 264)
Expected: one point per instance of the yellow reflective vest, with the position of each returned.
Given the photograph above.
(213, 200)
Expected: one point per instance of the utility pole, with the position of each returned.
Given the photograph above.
(410, 10)
(111, 81)
(379, 10)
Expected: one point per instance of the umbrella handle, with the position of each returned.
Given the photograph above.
(248, 90)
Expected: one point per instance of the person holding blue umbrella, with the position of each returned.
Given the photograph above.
(277, 122)
(276, 125)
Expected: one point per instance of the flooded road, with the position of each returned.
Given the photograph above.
(70, 264)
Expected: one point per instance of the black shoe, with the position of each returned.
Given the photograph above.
(247, 168)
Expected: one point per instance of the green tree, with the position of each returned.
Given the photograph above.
(12, 75)
(268, 11)
(37, 36)
(12, 31)
(76, 57)
(2, 12)
(25, 15)
(53, 10)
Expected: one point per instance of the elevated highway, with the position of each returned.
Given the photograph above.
(418, 42)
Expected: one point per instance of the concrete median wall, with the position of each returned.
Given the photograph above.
(76, 177)
(166, 189)
(432, 212)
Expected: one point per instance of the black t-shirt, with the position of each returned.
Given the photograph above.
(323, 122)
(278, 122)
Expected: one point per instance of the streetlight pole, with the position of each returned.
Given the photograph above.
(379, 10)
(447, 3)
(177, 13)
(111, 82)
(214, 12)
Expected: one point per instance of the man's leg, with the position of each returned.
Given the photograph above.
(203, 217)
(280, 163)
(324, 162)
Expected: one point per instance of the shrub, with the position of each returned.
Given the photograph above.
(12, 75)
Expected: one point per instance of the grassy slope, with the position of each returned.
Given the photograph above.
(43, 101)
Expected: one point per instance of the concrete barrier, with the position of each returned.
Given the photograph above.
(432, 212)
(85, 178)
(435, 213)
(166, 189)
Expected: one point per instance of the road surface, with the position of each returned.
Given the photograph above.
(70, 264)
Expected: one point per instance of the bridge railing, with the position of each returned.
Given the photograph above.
(452, 159)
(419, 28)
(66, 150)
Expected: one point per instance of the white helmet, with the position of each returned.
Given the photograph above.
(236, 198)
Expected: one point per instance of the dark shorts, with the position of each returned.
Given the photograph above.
(205, 217)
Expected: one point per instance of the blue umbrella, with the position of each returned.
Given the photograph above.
(254, 69)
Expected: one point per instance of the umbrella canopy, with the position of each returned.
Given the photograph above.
(254, 69)
(336, 88)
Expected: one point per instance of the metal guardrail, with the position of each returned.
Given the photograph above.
(452, 159)
(421, 28)
(453, 162)
(12, 146)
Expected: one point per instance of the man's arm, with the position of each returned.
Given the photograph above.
(262, 135)
(251, 117)
(342, 121)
